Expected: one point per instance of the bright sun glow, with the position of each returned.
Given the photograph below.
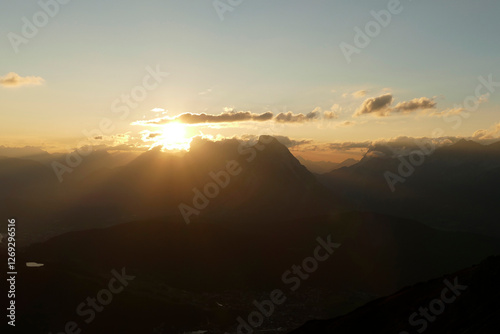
(173, 137)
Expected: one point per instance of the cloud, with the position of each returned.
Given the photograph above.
(15, 80)
(291, 142)
(492, 133)
(447, 112)
(336, 147)
(152, 135)
(360, 93)
(333, 113)
(128, 148)
(382, 106)
(375, 154)
(330, 114)
(356, 94)
(289, 117)
(225, 117)
(205, 92)
(414, 105)
(346, 124)
(346, 146)
(458, 109)
(287, 141)
(378, 105)
(390, 146)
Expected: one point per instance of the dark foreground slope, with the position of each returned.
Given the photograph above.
(472, 306)
(205, 275)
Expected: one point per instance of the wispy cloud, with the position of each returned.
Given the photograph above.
(356, 94)
(15, 80)
(158, 110)
(205, 92)
(457, 110)
(360, 93)
(345, 124)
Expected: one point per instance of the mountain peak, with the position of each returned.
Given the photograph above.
(269, 141)
(464, 144)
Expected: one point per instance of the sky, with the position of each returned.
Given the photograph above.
(160, 72)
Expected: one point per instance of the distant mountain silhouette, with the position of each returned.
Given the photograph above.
(27, 152)
(454, 188)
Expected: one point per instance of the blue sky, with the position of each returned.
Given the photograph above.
(264, 55)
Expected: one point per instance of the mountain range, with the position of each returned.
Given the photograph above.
(205, 273)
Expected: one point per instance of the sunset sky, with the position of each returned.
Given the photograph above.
(266, 67)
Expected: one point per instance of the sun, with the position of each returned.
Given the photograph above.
(173, 137)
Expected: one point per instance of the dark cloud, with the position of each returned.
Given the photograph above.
(234, 116)
(379, 105)
(153, 135)
(289, 117)
(226, 117)
(414, 105)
